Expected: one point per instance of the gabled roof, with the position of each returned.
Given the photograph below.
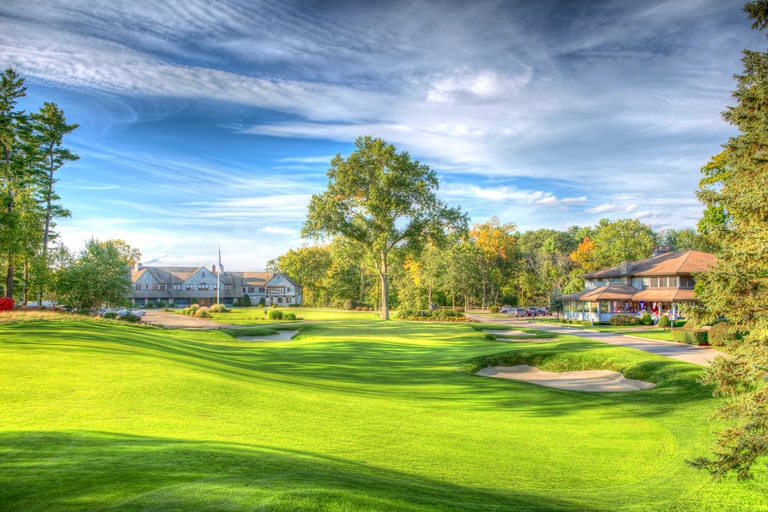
(285, 276)
(671, 263)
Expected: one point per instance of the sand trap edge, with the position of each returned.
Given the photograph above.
(599, 381)
(280, 336)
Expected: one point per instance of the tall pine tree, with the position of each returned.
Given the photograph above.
(737, 287)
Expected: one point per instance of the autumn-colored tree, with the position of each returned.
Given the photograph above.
(497, 251)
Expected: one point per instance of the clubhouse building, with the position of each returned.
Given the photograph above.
(177, 286)
(657, 285)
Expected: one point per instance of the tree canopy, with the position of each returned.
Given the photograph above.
(381, 199)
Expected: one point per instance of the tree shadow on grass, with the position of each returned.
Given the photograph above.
(96, 470)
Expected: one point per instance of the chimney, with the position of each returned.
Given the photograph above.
(137, 266)
(626, 266)
(660, 249)
(213, 268)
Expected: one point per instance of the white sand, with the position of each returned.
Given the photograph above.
(280, 336)
(590, 380)
(510, 333)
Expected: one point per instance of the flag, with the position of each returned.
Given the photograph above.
(221, 267)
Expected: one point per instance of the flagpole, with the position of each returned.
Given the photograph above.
(218, 279)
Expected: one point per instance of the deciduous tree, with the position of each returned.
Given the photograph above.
(380, 199)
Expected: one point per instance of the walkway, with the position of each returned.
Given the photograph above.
(679, 351)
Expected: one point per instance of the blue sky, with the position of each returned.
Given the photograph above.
(213, 122)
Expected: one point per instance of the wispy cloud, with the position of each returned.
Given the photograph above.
(612, 208)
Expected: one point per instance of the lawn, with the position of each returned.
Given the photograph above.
(256, 315)
(353, 415)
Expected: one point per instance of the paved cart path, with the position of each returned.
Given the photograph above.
(680, 351)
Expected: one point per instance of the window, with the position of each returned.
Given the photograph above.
(276, 290)
(687, 282)
(203, 273)
(244, 290)
(138, 286)
(154, 286)
(262, 289)
(654, 282)
(177, 286)
(228, 286)
(251, 289)
(662, 282)
(593, 307)
(288, 290)
(146, 286)
(215, 287)
(672, 281)
(202, 286)
(288, 300)
(646, 282)
(162, 286)
(605, 306)
(190, 286)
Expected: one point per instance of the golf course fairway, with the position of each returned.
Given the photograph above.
(350, 415)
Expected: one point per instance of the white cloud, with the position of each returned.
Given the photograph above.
(612, 208)
(507, 193)
(274, 230)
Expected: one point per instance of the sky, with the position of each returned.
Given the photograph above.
(208, 123)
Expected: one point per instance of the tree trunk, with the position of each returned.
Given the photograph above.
(384, 287)
(9, 277)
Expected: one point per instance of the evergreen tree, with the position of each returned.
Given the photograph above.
(737, 287)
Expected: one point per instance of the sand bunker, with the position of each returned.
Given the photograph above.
(590, 380)
(280, 336)
(531, 340)
(510, 333)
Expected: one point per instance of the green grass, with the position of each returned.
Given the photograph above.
(354, 415)
(256, 316)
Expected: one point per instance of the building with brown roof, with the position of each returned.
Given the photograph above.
(656, 285)
(179, 285)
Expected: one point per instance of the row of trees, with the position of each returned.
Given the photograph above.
(490, 263)
(31, 153)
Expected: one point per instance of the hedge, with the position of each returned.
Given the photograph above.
(721, 334)
(275, 315)
(623, 319)
(690, 336)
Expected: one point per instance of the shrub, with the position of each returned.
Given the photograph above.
(690, 336)
(646, 320)
(294, 305)
(406, 313)
(245, 300)
(664, 321)
(218, 308)
(162, 304)
(261, 306)
(275, 315)
(131, 319)
(289, 316)
(349, 304)
(110, 315)
(202, 312)
(193, 300)
(721, 334)
(494, 309)
(6, 304)
(235, 303)
(150, 304)
(262, 302)
(194, 306)
(623, 319)
(273, 306)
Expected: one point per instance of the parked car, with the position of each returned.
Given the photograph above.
(138, 312)
(506, 309)
(517, 312)
(531, 311)
(543, 311)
